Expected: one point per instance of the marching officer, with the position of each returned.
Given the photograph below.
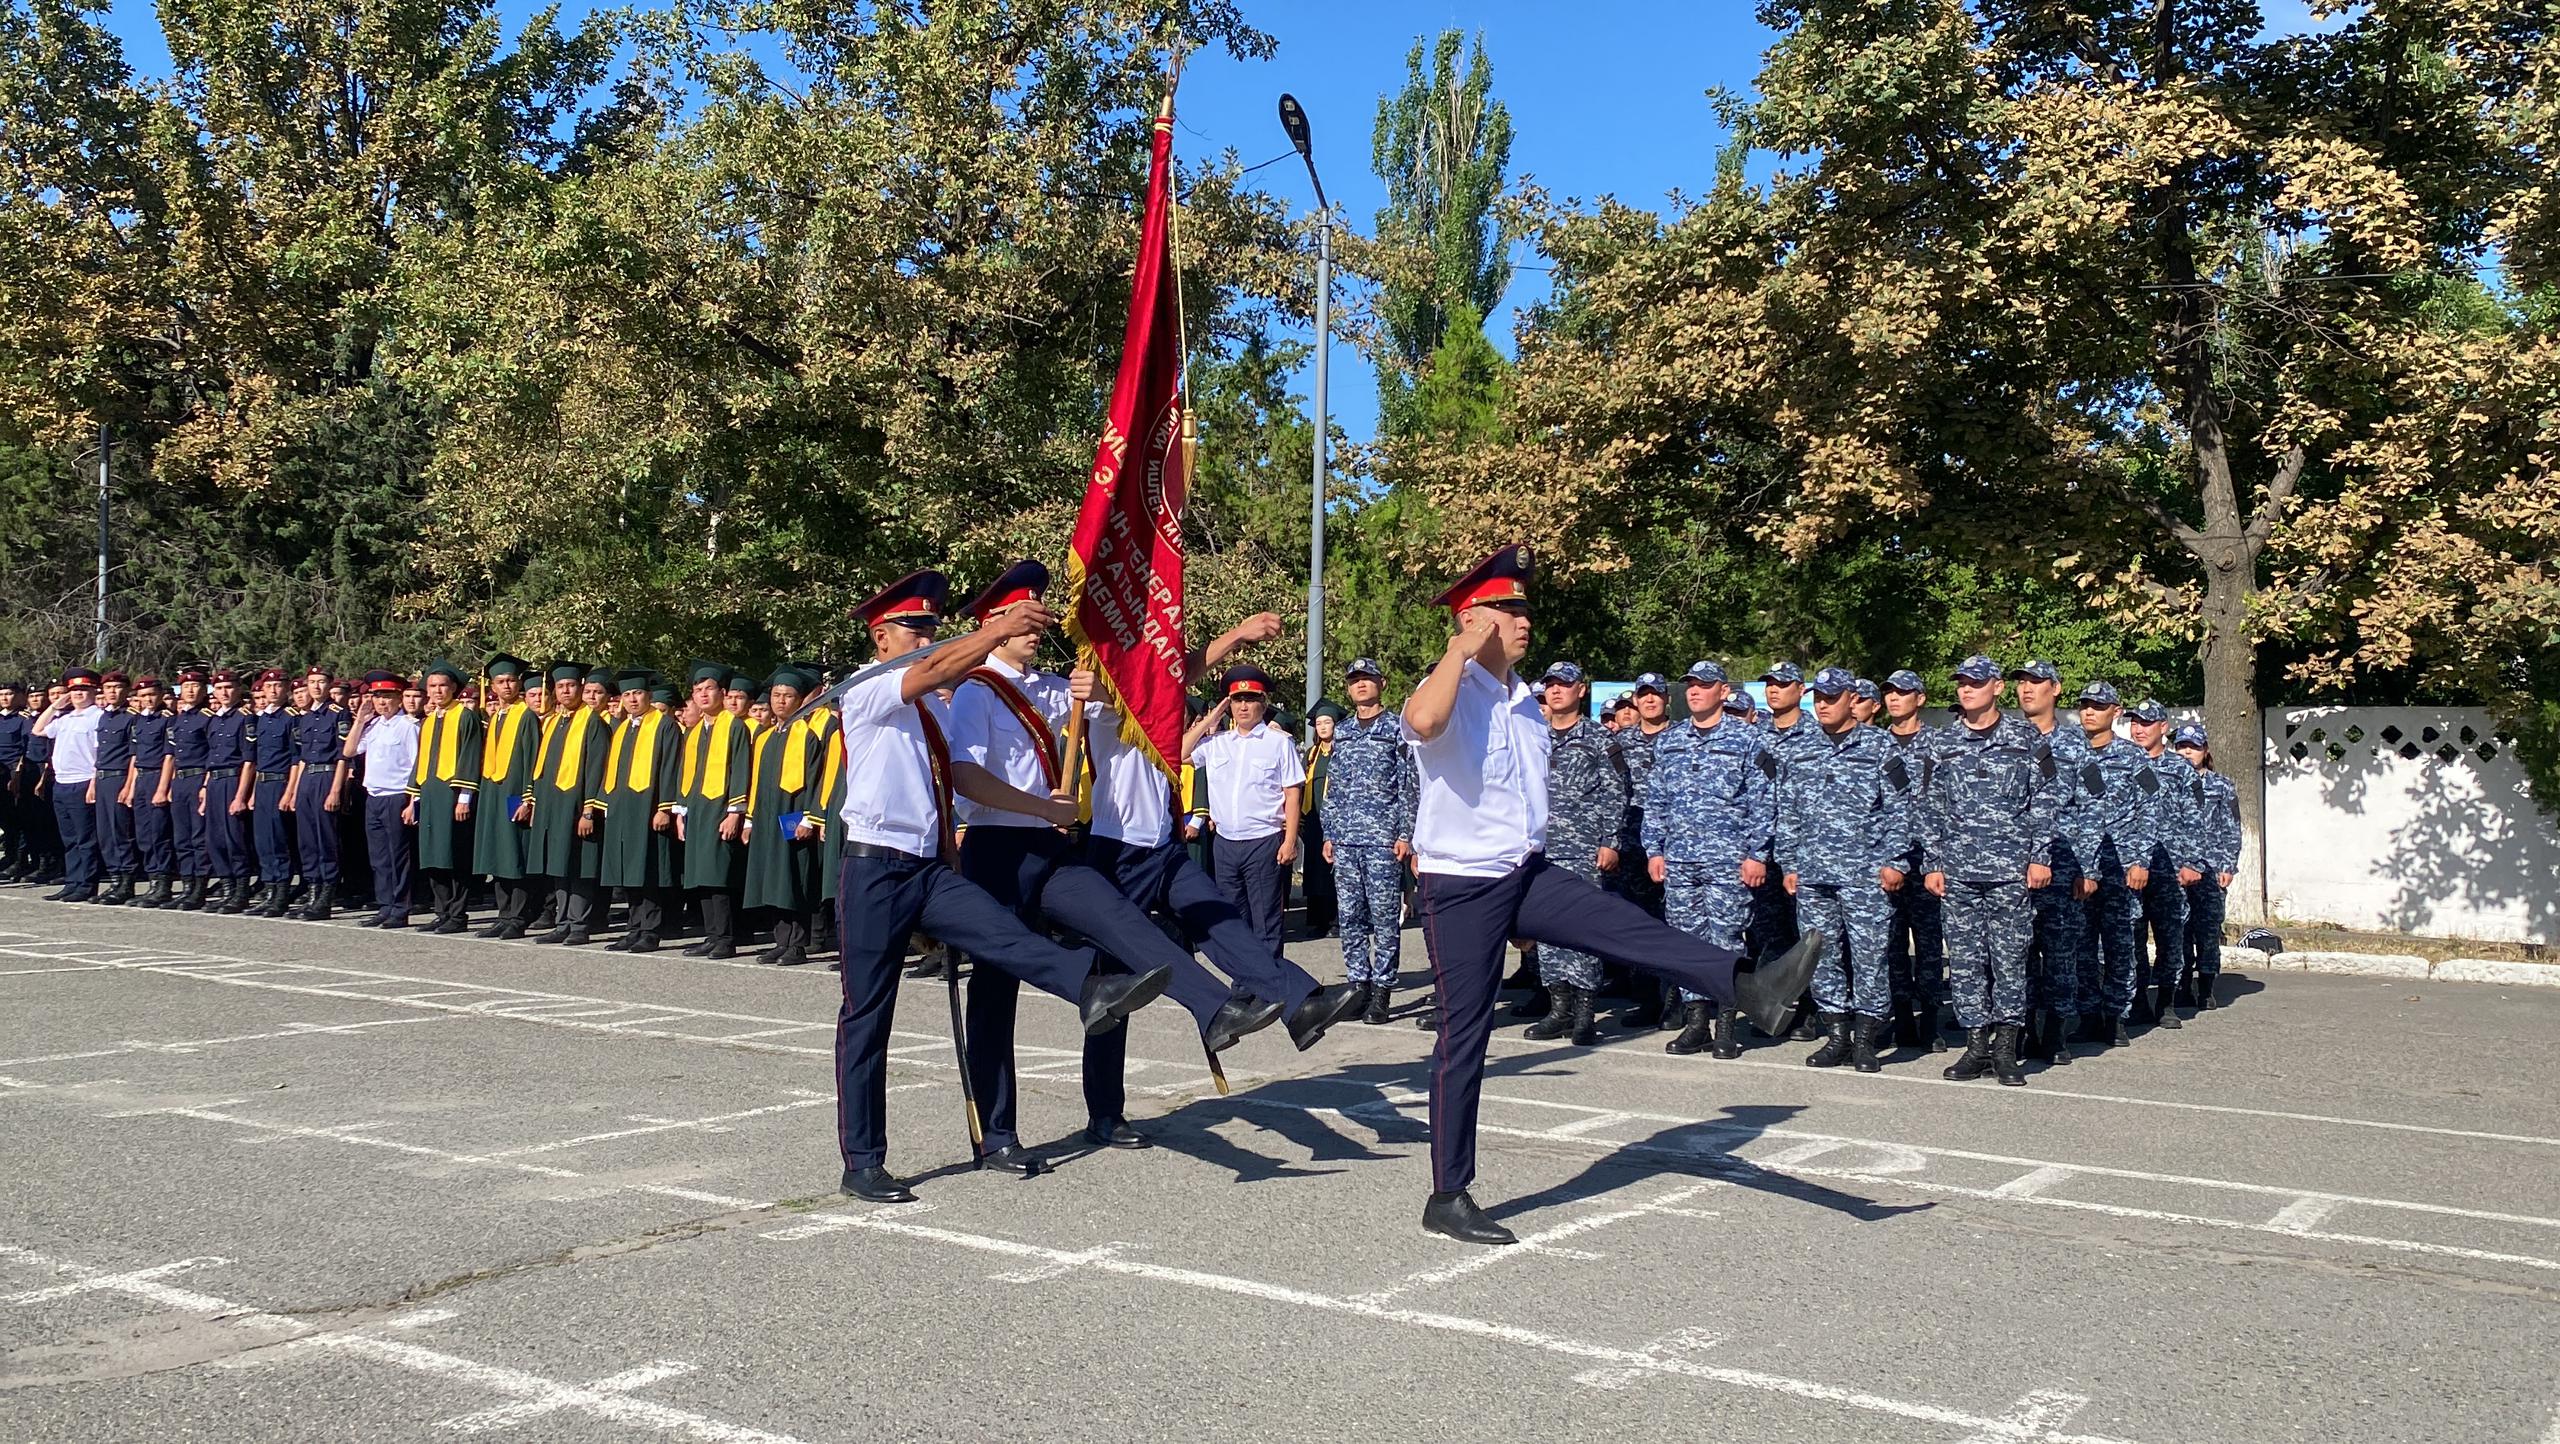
(147, 794)
(561, 844)
(1367, 817)
(1987, 827)
(716, 769)
(641, 792)
(1708, 813)
(1840, 845)
(444, 790)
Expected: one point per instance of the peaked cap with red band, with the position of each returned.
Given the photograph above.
(380, 680)
(1245, 681)
(1024, 581)
(80, 677)
(917, 594)
(1501, 577)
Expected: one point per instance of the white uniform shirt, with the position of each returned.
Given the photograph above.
(390, 752)
(1483, 805)
(888, 774)
(1247, 771)
(75, 744)
(1132, 801)
(984, 730)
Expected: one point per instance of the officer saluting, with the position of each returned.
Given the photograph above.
(1480, 753)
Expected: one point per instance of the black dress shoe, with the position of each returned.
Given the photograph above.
(621, 944)
(1116, 1134)
(1455, 1215)
(577, 938)
(699, 950)
(393, 922)
(508, 932)
(452, 925)
(556, 935)
(876, 1185)
(1110, 997)
(644, 943)
(374, 921)
(1768, 993)
(1013, 1158)
(1240, 1014)
(1322, 1009)
(722, 950)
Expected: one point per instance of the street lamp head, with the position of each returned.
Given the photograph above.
(1293, 119)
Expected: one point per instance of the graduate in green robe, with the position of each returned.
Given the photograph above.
(443, 790)
(714, 770)
(564, 846)
(641, 791)
(786, 830)
(511, 740)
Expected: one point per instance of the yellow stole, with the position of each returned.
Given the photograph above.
(715, 782)
(795, 763)
(444, 749)
(643, 736)
(573, 752)
(499, 749)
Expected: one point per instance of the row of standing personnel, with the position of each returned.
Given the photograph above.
(2045, 877)
(132, 792)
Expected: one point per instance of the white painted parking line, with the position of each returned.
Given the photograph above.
(190, 1045)
(111, 1283)
(1544, 1241)
(1061, 1267)
(2304, 1214)
(712, 1124)
(2038, 1413)
(1679, 1343)
(2029, 1184)
(507, 1416)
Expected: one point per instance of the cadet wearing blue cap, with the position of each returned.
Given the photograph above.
(2119, 792)
(1586, 836)
(1916, 956)
(1367, 815)
(2218, 808)
(2053, 959)
(1651, 699)
(1868, 701)
(1840, 840)
(1480, 832)
(1790, 734)
(2177, 859)
(1986, 823)
(1710, 805)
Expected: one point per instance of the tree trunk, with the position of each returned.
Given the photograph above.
(2230, 658)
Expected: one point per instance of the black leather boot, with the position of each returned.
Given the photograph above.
(1976, 1058)
(1559, 1018)
(2204, 992)
(1653, 1007)
(1863, 1033)
(1728, 1028)
(1696, 1029)
(1586, 1027)
(2057, 1044)
(159, 896)
(120, 894)
(1835, 1047)
(1809, 1022)
(194, 900)
(278, 897)
(1381, 997)
(1906, 1024)
(2167, 1012)
(323, 904)
(2004, 1056)
(235, 896)
(2122, 1037)
(2033, 1041)
(1933, 1026)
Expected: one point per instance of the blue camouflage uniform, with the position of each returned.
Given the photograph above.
(1587, 791)
(1986, 813)
(2053, 958)
(1773, 912)
(2119, 819)
(2218, 812)
(1916, 952)
(1708, 806)
(2162, 942)
(1637, 746)
(1840, 820)
(1369, 795)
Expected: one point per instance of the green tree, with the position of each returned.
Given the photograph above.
(1442, 145)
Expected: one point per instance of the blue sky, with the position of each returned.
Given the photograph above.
(1607, 97)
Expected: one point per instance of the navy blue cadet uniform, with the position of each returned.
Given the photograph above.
(1005, 723)
(2161, 943)
(44, 830)
(1480, 830)
(1709, 806)
(226, 763)
(1841, 821)
(319, 740)
(154, 842)
(15, 726)
(1367, 810)
(269, 740)
(188, 731)
(1587, 791)
(2218, 818)
(115, 763)
(894, 881)
(1986, 815)
(2053, 957)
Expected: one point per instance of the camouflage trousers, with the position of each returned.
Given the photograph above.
(1567, 965)
(1706, 900)
(2106, 948)
(1990, 926)
(1369, 883)
(1772, 929)
(2161, 942)
(2204, 927)
(1916, 947)
(1854, 920)
(2053, 960)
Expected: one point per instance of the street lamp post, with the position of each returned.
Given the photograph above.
(1293, 119)
(106, 443)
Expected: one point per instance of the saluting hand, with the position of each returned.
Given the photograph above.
(1026, 620)
(1472, 639)
(1260, 627)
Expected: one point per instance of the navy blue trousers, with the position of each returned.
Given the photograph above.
(387, 842)
(1164, 879)
(880, 900)
(1029, 869)
(315, 827)
(1466, 921)
(1250, 874)
(77, 822)
(272, 829)
(154, 850)
(226, 833)
(187, 832)
(115, 826)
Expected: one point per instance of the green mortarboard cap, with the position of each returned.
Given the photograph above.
(708, 672)
(504, 665)
(739, 682)
(442, 668)
(788, 676)
(630, 680)
(662, 691)
(566, 672)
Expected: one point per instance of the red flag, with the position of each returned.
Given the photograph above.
(1124, 565)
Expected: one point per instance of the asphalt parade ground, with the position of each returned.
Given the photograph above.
(269, 1180)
